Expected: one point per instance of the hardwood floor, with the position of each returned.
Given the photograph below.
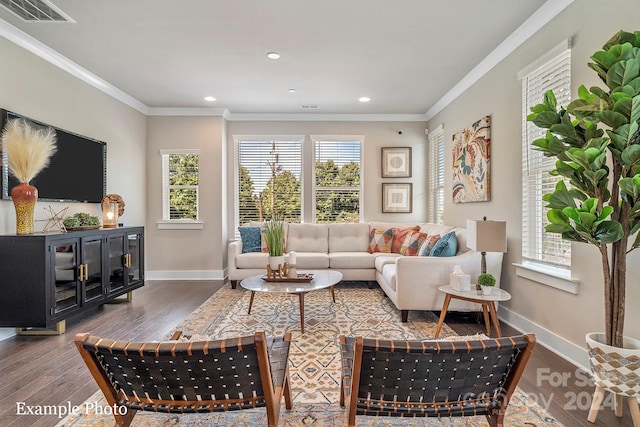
(49, 371)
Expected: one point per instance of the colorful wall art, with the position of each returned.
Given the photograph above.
(471, 163)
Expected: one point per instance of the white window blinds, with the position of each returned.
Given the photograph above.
(269, 180)
(337, 180)
(180, 184)
(436, 175)
(538, 245)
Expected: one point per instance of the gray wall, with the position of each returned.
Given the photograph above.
(591, 23)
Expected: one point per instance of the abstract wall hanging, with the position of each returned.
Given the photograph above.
(471, 163)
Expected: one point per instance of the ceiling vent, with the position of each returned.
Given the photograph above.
(36, 11)
(309, 107)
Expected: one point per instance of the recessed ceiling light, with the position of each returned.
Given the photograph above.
(209, 98)
(364, 99)
(292, 91)
(273, 55)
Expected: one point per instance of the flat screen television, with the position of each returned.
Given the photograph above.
(77, 171)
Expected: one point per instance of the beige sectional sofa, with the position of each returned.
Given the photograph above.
(410, 282)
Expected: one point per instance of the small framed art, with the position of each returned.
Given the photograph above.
(396, 162)
(397, 198)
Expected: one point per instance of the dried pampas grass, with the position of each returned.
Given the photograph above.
(28, 150)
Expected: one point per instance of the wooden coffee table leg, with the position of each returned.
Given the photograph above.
(494, 318)
(443, 313)
(301, 298)
(253, 293)
(333, 294)
(485, 312)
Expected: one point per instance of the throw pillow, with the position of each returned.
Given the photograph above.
(399, 235)
(446, 246)
(380, 240)
(412, 243)
(251, 237)
(428, 244)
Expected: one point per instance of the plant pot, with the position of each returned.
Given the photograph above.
(615, 369)
(24, 197)
(486, 290)
(275, 261)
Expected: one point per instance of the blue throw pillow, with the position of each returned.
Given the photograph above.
(251, 239)
(446, 246)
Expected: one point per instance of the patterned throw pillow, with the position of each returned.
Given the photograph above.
(251, 237)
(428, 244)
(380, 240)
(399, 235)
(446, 246)
(412, 243)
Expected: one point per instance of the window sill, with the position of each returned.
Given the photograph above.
(180, 224)
(554, 277)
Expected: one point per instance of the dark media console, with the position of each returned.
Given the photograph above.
(47, 277)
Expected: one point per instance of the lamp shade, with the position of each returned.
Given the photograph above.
(487, 236)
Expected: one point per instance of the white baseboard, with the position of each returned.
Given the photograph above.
(6, 333)
(186, 275)
(569, 351)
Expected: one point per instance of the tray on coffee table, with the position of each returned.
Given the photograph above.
(302, 277)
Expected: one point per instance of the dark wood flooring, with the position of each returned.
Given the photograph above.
(49, 371)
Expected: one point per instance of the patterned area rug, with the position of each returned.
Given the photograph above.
(314, 357)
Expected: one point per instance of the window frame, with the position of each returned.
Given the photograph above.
(435, 203)
(167, 222)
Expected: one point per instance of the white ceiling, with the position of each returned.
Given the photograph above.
(404, 54)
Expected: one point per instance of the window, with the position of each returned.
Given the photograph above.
(553, 71)
(180, 184)
(269, 180)
(436, 175)
(337, 193)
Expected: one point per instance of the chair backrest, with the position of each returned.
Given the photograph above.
(207, 376)
(432, 378)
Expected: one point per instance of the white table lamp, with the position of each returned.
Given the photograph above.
(486, 236)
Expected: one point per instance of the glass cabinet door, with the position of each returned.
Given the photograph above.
(92, 268)
(116, 262)
(133, 258)
(66, 276)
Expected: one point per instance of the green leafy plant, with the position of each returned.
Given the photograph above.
(81, 219)
(274, 237)
(597, 146)
(486, 279)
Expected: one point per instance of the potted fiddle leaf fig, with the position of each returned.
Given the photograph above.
(596, 143)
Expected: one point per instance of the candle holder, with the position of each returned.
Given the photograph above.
(109, 215)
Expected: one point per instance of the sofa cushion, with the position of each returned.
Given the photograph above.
(382, 260)
(252, 260)
(446, 246)
(412, 243)
(346, 260)
(428, 244)
(311, 260)
(399, 234)
(380, 240)
(251, 239)
(348, 237)
(308, 238)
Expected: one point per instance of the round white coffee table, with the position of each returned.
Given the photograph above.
(472, 295)
(322, 279)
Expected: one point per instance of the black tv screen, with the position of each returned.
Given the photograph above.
(77, 171)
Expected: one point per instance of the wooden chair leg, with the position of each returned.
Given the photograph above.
(634, 407)
(125, 420)
(618, 400)
(598, 397)
(287, 392)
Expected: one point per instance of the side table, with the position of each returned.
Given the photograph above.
(487, 302)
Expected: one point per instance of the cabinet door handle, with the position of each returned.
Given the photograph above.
(86, 272)
(127, 260)
(81, 269)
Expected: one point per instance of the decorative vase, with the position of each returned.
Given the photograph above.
(486, 290)
(275, 261)
(24, 198)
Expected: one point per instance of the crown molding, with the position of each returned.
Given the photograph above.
(43, 51)
(303, 117)
(539, 19)
(187, 111)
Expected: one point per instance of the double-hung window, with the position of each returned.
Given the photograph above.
(337, 178)
(553, 71)
(180, 184)
(269, 178)
(436, 175)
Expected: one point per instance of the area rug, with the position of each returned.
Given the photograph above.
(314, 357)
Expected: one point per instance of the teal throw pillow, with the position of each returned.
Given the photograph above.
(251, 239)
(446, 246)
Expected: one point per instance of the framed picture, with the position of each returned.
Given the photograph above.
(471, 163)
(397, 198)
(396, 162)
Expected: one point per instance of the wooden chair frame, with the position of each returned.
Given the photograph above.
(174, 377)
(432, 378)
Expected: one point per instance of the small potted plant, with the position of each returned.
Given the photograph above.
(486, 282)
(274, 238)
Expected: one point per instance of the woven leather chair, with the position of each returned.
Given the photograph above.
(190, 377)
(431, 378)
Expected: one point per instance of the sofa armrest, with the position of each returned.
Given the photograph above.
(234, 249)
(418, 274)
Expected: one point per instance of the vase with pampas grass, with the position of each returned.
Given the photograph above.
(27, 151)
